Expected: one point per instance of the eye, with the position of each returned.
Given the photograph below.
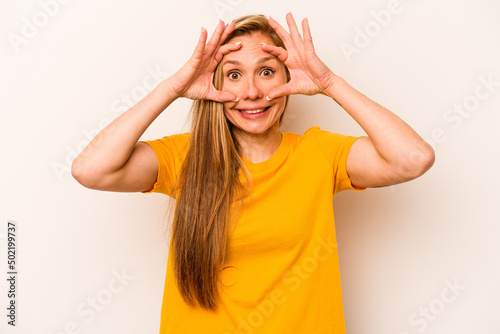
(233, 75)
(267, 72)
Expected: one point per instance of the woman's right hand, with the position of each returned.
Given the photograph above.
(194, 80)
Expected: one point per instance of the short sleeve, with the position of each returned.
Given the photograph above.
(336, 149)
(170, 152)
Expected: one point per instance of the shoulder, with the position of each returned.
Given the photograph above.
(329, 144)
(170, 149)
(316, 135)
(177, 138)
(175, 142)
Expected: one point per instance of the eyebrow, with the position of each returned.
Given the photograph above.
(261, 60)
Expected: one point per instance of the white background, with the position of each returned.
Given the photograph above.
(400, 247)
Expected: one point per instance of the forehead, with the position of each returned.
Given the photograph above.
(250, 50)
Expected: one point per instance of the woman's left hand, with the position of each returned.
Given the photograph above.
(308, 74)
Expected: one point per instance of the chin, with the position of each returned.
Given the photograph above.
(253, 130)
(254, 127)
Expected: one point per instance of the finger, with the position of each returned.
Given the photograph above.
(214, 39)
(227, 97)
(294, 31)
(307, 35)
(282, 33)
(277, 51)
(221, 96)
(229, 29)
(200, 46)
(225, 49)
(279, 91)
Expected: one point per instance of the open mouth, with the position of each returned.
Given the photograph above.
(253, 112)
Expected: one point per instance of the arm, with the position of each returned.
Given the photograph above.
(391, 153)
(114, 160)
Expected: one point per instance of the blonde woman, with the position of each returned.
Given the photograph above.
(253, 246)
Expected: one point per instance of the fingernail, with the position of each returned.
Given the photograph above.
(267, 98)
(237, 99)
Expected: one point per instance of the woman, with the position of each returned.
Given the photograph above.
(253, 246)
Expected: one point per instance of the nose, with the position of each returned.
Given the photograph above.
(251, 90)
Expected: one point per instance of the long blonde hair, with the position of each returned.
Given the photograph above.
(209, 190)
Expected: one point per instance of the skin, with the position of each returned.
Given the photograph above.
(391, 153)
(251, 73)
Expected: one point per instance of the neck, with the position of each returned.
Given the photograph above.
(258, 147)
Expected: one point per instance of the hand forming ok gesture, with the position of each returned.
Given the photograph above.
(308, 74)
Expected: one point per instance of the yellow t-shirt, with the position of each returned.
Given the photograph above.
(283, 274)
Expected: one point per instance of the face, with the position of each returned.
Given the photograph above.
(251, 73)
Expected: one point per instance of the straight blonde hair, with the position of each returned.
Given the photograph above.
(210, 189)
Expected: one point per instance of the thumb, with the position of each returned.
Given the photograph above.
(220, 96)
(227, 97)
(279, 91)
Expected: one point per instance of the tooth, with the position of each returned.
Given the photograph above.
(254, 111)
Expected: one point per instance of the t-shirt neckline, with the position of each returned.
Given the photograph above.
(273, 160)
